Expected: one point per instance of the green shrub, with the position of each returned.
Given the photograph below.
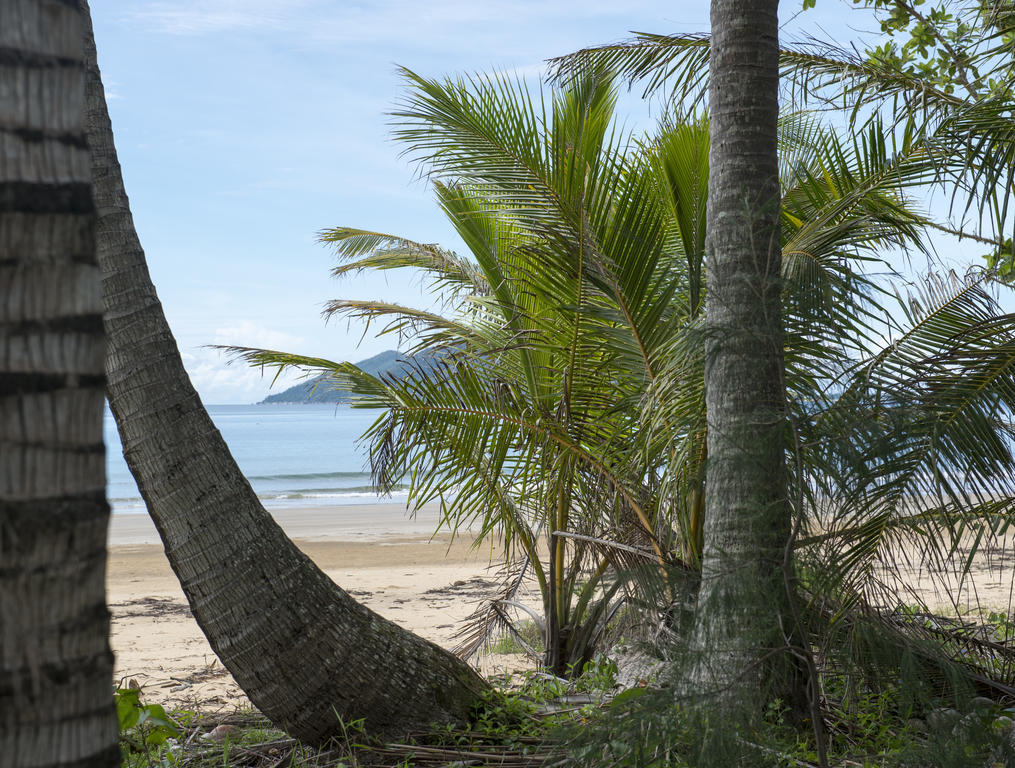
(145, 729)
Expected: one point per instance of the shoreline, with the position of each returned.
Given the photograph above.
(339, 522)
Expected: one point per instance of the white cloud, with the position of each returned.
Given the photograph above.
(391, 22)
(464, 24)
(219, 380)
(248, 334)
(209, 16)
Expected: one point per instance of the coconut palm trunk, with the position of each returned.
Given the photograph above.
(744, 623)
(56, 669)
(299, 646)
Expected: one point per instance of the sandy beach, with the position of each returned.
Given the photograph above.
(397, 566)
(427, 583)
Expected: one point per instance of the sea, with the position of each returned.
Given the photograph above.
(293, 455)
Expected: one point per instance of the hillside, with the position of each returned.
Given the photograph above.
(389, 362)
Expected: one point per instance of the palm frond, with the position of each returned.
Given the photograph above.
(375, 250)
(920, 440)
(678, 65)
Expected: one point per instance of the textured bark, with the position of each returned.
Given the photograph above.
(743, 624)
(56, 669)
(300, 647)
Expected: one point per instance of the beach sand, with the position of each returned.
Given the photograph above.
(393, 564)
(389, 562)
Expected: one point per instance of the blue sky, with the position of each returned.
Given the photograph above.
(246, 126)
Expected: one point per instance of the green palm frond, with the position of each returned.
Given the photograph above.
(374, 250)
(677, 66)
(980, 139)
(921, 440)
(678, 162)
(679, 62)
(487, 130)
(408, 322)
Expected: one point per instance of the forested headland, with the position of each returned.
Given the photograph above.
(320, 389)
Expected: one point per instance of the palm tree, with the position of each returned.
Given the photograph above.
(56, 669)
(525, 416)
(306, 653)
(883, 416)
(603, 398)
(532, 426)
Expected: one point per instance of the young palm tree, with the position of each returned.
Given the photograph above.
(528, 415)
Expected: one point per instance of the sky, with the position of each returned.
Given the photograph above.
(244, 127)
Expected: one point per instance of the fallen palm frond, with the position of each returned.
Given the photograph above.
(913, 647)
(492, 615)
(248, 739)
(970, 645)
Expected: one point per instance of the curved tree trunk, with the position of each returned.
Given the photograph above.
(56, 670)
(300, 647)
(744, 624)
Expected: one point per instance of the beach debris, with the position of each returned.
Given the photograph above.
(476, 585)
(531, 755)
(151, 607)
(220, 733)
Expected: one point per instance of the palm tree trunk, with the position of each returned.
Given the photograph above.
(299, 646)
(56, 669)
(555, 658)
(744, 619)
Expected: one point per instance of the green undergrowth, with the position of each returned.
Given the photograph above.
(535, 719)
(512, 726)
(645, 728)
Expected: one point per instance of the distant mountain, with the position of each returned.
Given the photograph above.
(390, 362)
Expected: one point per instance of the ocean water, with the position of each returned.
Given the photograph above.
(293, 456)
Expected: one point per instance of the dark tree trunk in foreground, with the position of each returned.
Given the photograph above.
(300, 647)
(744, 623)
(56, 669)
